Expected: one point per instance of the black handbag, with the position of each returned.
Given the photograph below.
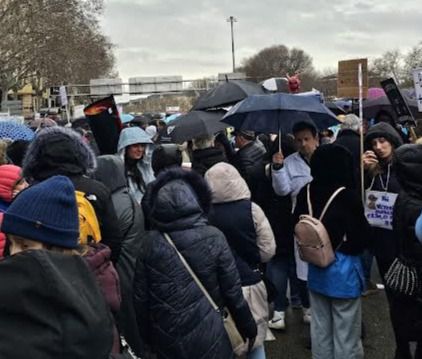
(403, 278)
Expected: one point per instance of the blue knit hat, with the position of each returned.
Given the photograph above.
(46, 212)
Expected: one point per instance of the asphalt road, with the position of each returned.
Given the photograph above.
(378, 343)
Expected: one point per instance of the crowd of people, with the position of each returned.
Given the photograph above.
(153, 251)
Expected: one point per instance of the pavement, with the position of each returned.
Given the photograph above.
(378, 343)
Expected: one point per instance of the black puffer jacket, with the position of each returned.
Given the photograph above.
(111, 172)
(173, 314)
(51, 307)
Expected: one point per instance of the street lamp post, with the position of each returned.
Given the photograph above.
(231, 20)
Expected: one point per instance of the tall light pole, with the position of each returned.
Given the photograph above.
(231, 20)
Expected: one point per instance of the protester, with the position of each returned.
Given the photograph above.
(406, 314)
(205, 154)
(175, 318)
(335, 291)
(289, 176)
(61, 151)
(281, 270)
(48, 295)
(135, 149)
(380, 144)
(381, 141)
(250, 152)
(250, 238)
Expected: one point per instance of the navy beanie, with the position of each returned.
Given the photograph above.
(46, 212)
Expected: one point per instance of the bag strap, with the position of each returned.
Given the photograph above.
(308, 196)
(330, 200)
(192, 273)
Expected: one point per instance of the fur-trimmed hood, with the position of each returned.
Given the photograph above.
(179, 200)
(58, 151)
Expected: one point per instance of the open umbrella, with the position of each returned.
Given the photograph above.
(278, 113)
(371, 108)
(15, 131)
(227, 93)
(196, 124)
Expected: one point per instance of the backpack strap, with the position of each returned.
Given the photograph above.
(330, 200)
(308, 196)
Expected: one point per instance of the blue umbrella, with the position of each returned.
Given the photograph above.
(126, 117)
(278, 113)
(15, 131)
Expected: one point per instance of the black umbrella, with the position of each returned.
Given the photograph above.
(371, 108)
(196, 124)
(227, 93)
(334, 108)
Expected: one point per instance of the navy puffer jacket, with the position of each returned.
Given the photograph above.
(173, 315)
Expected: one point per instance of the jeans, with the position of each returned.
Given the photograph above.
(257, 353)
(281, 270)
(336, 327)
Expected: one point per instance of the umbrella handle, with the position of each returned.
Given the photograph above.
(279, 140)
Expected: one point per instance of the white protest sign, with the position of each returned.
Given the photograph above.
(417, 79)
(63, 95)
(379, 208)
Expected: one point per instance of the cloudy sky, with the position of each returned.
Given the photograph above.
(192, 38)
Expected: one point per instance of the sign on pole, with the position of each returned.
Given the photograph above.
(63, 96)
(417, 79)
(348, 78)
(105, 87)
(396, 99)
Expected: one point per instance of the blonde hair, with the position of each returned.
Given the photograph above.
(203, 142)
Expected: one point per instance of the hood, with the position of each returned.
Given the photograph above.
(408, 162)
(9, 175)
(58, 151)
(332, 166)
(226, 183)
(111, 172)
(179, 200)
(130, 136)
(383, 129)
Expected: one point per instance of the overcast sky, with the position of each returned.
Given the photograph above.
(192, 38)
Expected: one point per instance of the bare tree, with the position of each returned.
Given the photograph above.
(53, 40)
(412, 60)
(390, 64)
(276, 61)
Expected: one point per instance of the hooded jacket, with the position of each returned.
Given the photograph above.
(248, 233)
(383, 129)
(173, 315)
(51, 307)
(61, 151)
(130, 136)
(9, 176)
(344, 220)
(111, 172)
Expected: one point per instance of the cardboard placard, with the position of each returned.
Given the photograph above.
(348, 78)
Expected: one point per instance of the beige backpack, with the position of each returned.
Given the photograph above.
(311, 236)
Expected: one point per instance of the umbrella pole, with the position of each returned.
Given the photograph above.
(279, 139)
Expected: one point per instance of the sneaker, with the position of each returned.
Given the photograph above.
(277, 322)
(307, 315)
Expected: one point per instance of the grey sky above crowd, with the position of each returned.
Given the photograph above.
(192, 38)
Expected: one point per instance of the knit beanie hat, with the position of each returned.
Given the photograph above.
(46, 212)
